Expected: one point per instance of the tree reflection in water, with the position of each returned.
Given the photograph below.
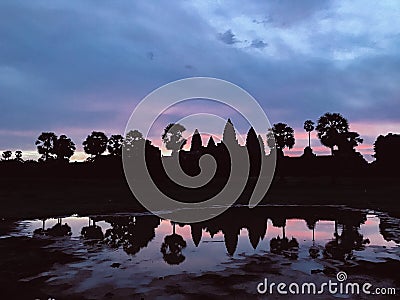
(284, 246)
(341, 246)
(131, 232)
(172, 247)
(314, 250)
(92, 232)
(134, 233)
(57, 230)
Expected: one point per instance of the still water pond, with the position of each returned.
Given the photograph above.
(131, 251)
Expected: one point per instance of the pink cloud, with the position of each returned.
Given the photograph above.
(374, 129)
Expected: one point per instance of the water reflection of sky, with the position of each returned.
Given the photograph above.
(324, 231)
(210, 255)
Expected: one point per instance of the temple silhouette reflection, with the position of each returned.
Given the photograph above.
(134, 233)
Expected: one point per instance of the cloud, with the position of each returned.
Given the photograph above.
(258, 44)
(228, 37)
(150, 55)
(86, 65)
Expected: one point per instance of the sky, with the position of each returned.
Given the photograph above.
(72, 67)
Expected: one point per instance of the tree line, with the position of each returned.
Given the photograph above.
(332, 131)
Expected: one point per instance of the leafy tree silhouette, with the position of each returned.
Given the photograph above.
(172, 137)
(7, 154)
(342, 246)
(347, 141)
(196, 141)
(18, 155)
(329, 126)
(64, 148)
(308, 127)
(280, 136)
(95, 144)
(132, 233)
(133, 143)
(229, 135)
(386, 149)
(45, 145)
(114, 145)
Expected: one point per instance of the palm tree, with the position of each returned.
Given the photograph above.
(114, 145)
(45, 145)
(172, 137)
(18, 155)
(308, 127)
(172, 247)
(7, 154)
(64, 148)
(95, 144)
(280, 136)
(329, 127)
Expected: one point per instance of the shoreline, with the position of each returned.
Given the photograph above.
(23, 198)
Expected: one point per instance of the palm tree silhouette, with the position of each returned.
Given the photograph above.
(6, 154)
(172, 247)
(314, 250)
(329, 127)
(280, 136)
(57, 230)
(308, 127)
(41, 231)
(18, 155)
(45, 145)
